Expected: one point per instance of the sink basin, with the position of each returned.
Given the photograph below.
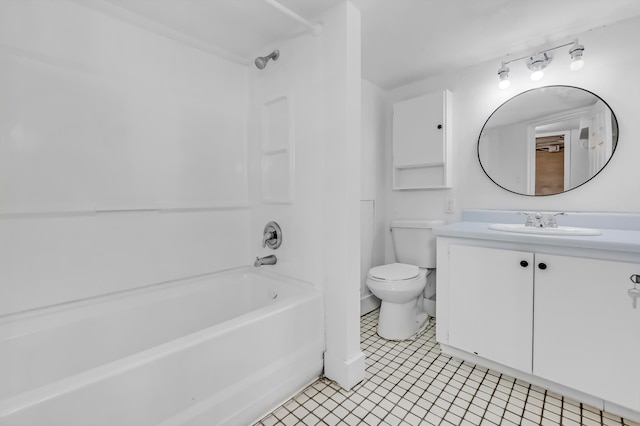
(560, 230)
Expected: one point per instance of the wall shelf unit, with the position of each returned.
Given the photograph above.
(422, 142)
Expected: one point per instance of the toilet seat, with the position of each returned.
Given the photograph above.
(394, 272)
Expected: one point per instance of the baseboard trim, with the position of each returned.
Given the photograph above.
(347, 373)
(368, 303)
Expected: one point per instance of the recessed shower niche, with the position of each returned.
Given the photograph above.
(277, 147)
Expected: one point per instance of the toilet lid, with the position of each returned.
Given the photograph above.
(395, 272)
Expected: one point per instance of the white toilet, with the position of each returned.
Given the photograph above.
(400, 285)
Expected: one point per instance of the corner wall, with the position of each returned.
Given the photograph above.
(320, 216)
(372, 193)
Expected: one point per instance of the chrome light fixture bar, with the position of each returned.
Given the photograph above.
(537, 62)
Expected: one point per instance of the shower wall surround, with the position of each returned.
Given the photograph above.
(129, 158)
(609, 71)
(121, 154)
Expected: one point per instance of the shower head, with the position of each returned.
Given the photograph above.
(261, 61)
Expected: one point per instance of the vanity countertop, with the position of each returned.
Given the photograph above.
(621, 240)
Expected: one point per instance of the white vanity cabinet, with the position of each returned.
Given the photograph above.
(422, 142)
(492, 318)
(566, 322)
(587, 333)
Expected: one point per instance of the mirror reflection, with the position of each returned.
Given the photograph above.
(547, 140)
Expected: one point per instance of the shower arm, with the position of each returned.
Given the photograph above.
(315, 28)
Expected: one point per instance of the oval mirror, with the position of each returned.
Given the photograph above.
(547, 140)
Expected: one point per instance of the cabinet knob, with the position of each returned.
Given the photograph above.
(439, 126)
(542, 265)
(524, 263)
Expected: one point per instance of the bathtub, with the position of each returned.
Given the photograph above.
(223, 349)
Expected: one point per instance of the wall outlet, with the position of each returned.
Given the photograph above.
(450, 206)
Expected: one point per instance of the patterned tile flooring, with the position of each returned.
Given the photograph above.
(411, 383)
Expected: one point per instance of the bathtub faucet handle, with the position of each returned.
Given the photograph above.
(272, 235)
(266, 237)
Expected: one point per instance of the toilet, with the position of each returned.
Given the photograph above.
(400, 285)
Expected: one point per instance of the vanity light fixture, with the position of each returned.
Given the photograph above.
(539, 61)
(576, 56)
(503, 72)
(536, 64)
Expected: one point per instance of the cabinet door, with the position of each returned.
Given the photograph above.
(491, 304)
(416, 137)
(587, 333)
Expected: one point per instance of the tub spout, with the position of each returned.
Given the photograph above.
(267, 260)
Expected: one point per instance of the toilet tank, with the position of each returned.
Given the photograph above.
(414, 242)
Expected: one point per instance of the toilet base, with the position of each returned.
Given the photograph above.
(400, 321)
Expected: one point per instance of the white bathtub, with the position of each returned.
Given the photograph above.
(216, 350)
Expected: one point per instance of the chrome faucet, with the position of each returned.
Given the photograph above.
(538, 220)
(266, 260)
(533, 219)
(551, 220)
(272, 236)
(268, 236)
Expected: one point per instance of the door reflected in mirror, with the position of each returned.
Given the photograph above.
(548, 140)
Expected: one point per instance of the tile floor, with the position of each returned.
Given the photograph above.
(411, 383)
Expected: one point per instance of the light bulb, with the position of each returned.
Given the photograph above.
(577, 64)
(576, 56)
(536, 64)
(537, 75)
(503, 73)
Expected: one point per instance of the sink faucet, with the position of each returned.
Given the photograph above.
(533, 219)
(551, 220)
(266, 260)
(538, 220)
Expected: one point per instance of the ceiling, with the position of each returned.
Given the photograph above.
(402, 40)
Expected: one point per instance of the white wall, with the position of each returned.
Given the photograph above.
(372, 193)
(609, 71)
(579, 158)
(505, 160)
(100, 116)
(320, 76)
(344, 362)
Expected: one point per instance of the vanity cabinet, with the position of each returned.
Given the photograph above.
(422, 142)
(565, 319)
(587, 333)
(492, 317)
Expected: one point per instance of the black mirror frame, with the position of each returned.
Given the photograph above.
(546, 87)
